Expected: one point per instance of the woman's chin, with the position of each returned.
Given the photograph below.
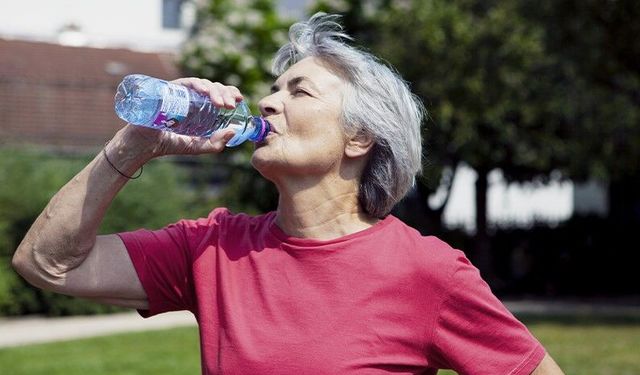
(260, 160)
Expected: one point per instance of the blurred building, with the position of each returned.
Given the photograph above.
(61, 97)
(143, 25)
(61, 60)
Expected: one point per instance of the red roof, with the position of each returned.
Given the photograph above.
(62, 96)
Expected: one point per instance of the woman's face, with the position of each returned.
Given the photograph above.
(304, 108)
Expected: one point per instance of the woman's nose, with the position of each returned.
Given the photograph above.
(269, 105)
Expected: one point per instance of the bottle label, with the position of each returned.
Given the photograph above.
(175, 106)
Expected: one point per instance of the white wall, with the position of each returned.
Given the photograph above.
(508, 204)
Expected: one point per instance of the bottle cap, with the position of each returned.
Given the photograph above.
(264, 126)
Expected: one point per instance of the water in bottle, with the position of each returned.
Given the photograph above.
(155, 103)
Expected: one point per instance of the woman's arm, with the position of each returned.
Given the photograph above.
(61, 252)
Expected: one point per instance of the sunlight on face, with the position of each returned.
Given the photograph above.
(304, 109)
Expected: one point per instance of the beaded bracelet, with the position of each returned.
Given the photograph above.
(104, 152)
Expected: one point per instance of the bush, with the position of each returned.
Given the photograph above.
(29, 178)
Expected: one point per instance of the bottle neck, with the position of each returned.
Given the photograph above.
(261, 129)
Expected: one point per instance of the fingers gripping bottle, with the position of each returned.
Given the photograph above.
(158, 104)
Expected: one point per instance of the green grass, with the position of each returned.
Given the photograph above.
(173, 351)
(587, 346)
(580, 345)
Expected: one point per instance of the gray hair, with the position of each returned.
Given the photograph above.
(379, 104)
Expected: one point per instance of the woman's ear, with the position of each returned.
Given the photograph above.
(359, 144)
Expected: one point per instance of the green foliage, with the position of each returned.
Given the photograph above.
(233, 42)
(12, 295)
(247, 191)
(28, 179)
(162, 196)
(598, 61)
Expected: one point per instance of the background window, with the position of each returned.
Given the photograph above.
(171, 14)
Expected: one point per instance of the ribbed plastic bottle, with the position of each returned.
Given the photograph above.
(158, 104)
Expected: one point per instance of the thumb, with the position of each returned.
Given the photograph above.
(220, 139)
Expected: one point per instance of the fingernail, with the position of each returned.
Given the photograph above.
(218, 101)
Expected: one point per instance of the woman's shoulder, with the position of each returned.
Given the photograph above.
(421, 244)
(427, 255)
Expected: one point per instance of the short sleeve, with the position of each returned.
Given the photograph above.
(475, 333)
(164, 258)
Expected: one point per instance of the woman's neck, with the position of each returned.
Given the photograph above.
(321, 210)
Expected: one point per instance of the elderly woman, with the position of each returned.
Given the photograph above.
(329, 283)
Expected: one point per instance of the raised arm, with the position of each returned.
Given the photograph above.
(61, 252)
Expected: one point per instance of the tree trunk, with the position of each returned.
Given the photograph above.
(414, 210)
(624, 201)
(482, 256)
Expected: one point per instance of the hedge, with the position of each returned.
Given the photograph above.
(29, 178)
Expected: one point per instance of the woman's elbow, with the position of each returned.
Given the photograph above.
(25, 264)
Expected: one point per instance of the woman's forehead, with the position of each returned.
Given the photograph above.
(313, 70)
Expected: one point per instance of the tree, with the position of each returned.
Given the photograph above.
(28, 180)
(596, 45)
(233, 42)
(486, 79)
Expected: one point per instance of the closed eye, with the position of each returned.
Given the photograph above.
(294, 87)
(299, 91)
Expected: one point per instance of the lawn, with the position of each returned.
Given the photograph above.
(173, 351)
(580, 345)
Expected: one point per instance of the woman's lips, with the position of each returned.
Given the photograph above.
(272, 132)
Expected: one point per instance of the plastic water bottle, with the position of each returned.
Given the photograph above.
(158, 104)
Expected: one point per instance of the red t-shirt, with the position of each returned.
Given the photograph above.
(382, 300)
